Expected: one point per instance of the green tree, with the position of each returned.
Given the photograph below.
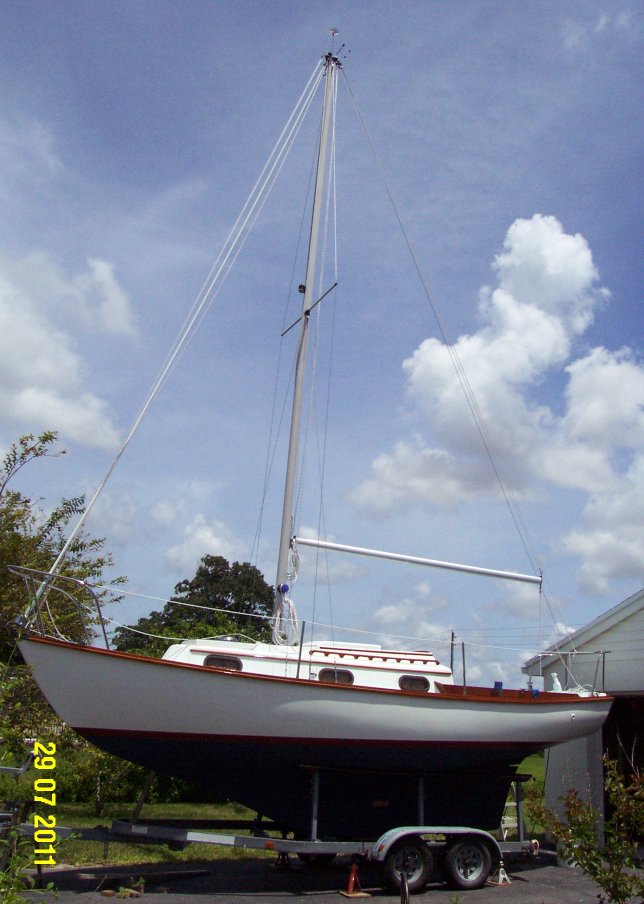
(32, 538)
(220, 599)
(609, 862)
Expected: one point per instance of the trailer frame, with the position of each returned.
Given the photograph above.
(407, 855)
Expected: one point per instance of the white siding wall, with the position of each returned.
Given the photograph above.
(578, 764)
(623, 666)
(625, 661)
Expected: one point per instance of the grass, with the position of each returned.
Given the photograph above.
(84, 853)
(534, 765)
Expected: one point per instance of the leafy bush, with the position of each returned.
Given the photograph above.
(610, 863)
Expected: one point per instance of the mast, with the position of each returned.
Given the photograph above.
(331, 65)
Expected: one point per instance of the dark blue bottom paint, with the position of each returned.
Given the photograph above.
(374, 790)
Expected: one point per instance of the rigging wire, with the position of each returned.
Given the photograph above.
(274, 433)
(230, 251)
(509, 496)
(320, 294)
(434, 640)
(212, 285)
(275, 425)
(468, 391)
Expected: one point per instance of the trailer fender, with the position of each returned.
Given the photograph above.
(383, 845)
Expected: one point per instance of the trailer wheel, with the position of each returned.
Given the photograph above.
(467, 863)
(412, 857)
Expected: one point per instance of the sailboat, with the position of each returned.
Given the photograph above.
(384, 735)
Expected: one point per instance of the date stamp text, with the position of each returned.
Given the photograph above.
(45, 804)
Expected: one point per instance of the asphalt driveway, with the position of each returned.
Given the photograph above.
(533, 881)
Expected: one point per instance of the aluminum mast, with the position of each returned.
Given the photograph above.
(331, 65)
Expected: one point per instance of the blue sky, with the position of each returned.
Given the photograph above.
(511, 137)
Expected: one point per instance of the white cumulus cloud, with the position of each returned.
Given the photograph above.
(43, 377)
(610, 538)
(587, 436)
(201, 538)
(414, 616)
(98, 294)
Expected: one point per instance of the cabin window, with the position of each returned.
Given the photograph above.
(413, 683)
(223, 662)
(336, 676)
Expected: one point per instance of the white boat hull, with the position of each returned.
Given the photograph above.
(257, 738)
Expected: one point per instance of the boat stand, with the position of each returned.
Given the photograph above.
(354, 889)
(500, 877)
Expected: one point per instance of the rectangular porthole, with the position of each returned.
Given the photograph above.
(336, 676)
(413, 683)
(231, 663)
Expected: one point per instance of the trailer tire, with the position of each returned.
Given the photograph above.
(468, 862)
(412, 856)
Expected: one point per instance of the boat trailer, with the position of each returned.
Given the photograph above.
(407, 855)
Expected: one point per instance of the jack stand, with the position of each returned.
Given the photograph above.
(353, 882)
(500, 877)
(282, 861)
